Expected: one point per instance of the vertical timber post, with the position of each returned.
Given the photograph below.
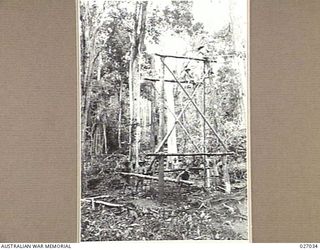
(226, 177)
(161, 133)
(138, 120)
(215, 173)
(206, 166)
(153, 109)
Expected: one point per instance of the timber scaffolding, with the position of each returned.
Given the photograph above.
(157, 154)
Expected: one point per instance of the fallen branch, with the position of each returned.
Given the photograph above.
(97, 197)
(156, 178)
(108, 204)
(239, 198)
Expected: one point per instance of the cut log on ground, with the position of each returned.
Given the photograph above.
(156, 178)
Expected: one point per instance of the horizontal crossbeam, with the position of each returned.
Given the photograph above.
(187, 57)
(183, 169)
(158, 80)
(191, 154)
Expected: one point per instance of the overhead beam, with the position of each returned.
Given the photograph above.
(158, 80)
(191, 154)
(186, 57)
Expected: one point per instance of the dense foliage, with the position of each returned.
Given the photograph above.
(105, 47)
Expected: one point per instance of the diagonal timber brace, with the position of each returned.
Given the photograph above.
(195, 105)
(169, 133)
(178, 117)
(178, 121)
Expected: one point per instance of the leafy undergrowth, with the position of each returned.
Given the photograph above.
(191, 213)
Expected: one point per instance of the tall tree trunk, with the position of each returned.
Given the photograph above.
(89, 56)
(238, 44)
(86, 90)
(105, 138)
(120, 115)
(131, 104)
(172, 140)
(85, 114)
(134, 80)
(153, 120)
(87, 69)
(99, 66)
(96, 143)
(84, 38)
(99, 141)
(92, 139)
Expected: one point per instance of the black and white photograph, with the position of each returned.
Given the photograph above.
(163, 120)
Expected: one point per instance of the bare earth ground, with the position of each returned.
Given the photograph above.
(191, 214)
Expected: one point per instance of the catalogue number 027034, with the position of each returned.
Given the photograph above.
(308, 245)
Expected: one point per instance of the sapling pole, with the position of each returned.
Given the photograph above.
(161, 134)
(206, 172)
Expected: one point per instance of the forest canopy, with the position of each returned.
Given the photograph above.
(108, 34)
